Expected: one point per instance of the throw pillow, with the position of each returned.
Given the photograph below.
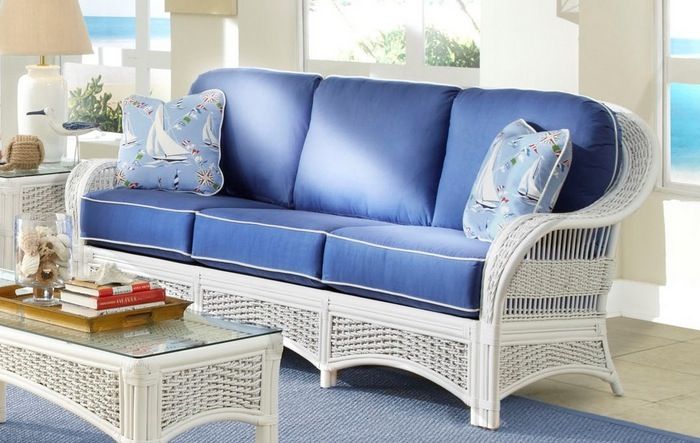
(523, 172)
(172, 146)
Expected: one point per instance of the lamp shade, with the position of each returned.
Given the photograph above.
(42, 27)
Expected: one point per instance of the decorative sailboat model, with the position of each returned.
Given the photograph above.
(160, 145)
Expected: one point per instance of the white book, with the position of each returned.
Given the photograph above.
(91, 313)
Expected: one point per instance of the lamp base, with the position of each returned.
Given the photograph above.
(42, 86)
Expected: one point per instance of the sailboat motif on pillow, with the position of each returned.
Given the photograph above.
(160, 145)
(173, 146)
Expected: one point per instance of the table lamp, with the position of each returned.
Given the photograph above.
(42, 27)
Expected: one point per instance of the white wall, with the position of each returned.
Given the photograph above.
(263, 33)
(529, 44)
(620, 62)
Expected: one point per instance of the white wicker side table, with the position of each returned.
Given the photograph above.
(148, 384)
(40, 190)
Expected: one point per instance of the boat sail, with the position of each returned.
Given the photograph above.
(129, 136)
(486, 193)
(160, 145)
(208, 134)
(528, 187)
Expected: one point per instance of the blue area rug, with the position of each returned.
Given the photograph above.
(368, 405)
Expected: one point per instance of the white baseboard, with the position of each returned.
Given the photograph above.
(677, 305)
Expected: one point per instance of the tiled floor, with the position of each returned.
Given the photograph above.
(660, 370)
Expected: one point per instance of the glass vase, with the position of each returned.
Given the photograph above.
(43, 251)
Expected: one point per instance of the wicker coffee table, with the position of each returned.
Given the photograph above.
(148, 384)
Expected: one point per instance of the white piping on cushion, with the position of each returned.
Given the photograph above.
(617, 148)
(138, 245)
(266, 225)
(617, 140)
(329, 282)
(298, 274)
(398, 294)
(328, 234)
(261, 268)
(410, 251)
(139, 205)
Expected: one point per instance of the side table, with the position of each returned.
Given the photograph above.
(38, 190)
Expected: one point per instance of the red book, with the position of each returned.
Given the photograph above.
(114, 301)
(90, 288)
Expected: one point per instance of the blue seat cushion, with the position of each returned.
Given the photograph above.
(435, 269)
(374, 149)
(478, 115)
(150, 222)
(281, 244)
(265, 123)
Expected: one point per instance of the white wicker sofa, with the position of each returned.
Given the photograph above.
(543, 296)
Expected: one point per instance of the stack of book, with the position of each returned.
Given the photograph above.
(87, 299)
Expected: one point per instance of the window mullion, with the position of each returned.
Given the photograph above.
(143, 44)
(415, 45)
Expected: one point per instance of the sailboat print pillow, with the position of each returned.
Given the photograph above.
(172, 146)
(522, 173)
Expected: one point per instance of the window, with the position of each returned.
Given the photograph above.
(681, 93)
(131, 43)
(428, 40)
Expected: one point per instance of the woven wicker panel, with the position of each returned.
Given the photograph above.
(43, 198)
(95, 389)
(447, 358)
(563, 277)
(299, 325)
(520, 361)
(234, 384)
(176, 289)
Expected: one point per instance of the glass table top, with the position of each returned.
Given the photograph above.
(43, 169)
(192, 331)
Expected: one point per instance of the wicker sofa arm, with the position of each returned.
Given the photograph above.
(540, 260)
(88, 176)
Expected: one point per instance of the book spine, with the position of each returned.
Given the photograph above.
(131, 299)
(126, 289)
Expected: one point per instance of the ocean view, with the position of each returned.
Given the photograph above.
(121, 31)
(685, 120)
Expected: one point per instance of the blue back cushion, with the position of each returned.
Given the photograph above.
(375, 149)
(265, 122)
(478, 115)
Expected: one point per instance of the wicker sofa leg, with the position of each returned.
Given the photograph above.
(486, 418)
(328, 378)
(486, 402)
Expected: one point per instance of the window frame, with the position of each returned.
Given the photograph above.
(141, 58)
(414, 69)
(675, 69)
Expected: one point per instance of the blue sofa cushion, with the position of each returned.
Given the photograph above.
(374, 149)
(478, 115)
(149, 222)
(281, 244)
(435, 269)
(265, 124)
